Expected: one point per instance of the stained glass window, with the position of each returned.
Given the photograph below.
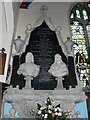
(79, 50)
(79, 37)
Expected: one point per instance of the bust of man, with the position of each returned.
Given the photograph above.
(28, 69)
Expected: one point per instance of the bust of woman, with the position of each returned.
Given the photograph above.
(58, 69)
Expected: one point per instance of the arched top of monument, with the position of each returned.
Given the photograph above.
(44, 10)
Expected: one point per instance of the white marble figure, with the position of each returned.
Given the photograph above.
(44, 10)
(28, 28)
(69, 44)
(28, 34)
(58, 69)
(28, 69)
(18, 43)
(61, 43)
(12, 112)
(76, 114)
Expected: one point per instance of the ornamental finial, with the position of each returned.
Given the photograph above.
(44, 9)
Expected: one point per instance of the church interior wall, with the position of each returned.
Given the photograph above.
(58, 12)
(5, 39)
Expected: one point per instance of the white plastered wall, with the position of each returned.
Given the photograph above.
(58, 12)
(9, 15)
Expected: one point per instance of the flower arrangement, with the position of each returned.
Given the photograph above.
(49, 111)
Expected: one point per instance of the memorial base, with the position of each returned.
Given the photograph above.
(24, 100)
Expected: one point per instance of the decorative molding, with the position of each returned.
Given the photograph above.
(23, 100)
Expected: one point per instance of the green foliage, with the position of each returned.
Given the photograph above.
(38, 106)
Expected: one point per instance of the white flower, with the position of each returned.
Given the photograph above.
(39, 112)
(43, 107)
(52, 102)
(55, 109)
(49, 106)
(49, 111)
(59, 114)
(42, 115)
(45, 116)
(56, 113)
(60, 109)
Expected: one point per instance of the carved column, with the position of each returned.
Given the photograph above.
(88, 103)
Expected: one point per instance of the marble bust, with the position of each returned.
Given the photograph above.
(28, 69)
(58, 69)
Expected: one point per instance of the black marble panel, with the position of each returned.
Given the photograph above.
(15, 78)
(72, 79)
(44, 45)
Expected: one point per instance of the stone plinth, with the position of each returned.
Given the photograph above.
(23, 100)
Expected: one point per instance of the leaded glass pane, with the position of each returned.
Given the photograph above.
(77, 14)
(88, 33)
(72, 15)
(89, 4)
(85, 15)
